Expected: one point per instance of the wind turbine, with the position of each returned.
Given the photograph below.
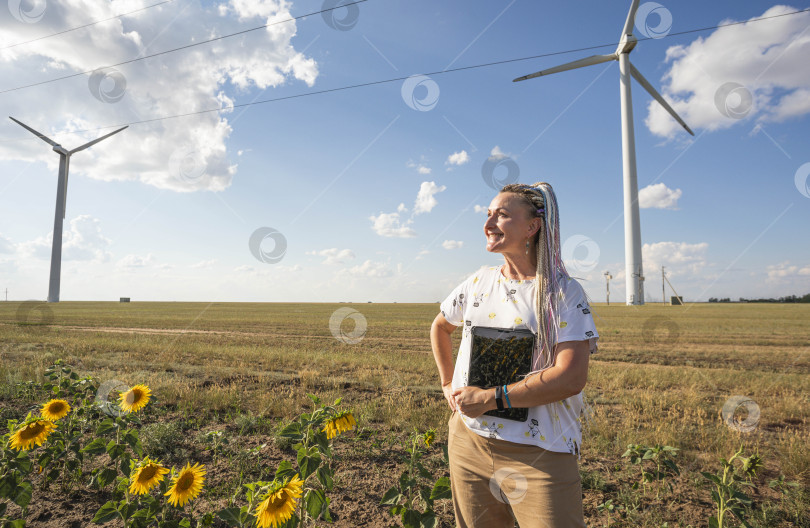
(61, 198)
(632, 227)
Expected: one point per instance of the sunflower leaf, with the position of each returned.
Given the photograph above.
(292, 431)
(107, 513)
(105, 476)
(428, 520)
(411, 518)
(316, 502)
(324, 475)
(23, 494)
(423, 471)
(441, 490)
(233, 516)
(284, 470)
(131, 438)
(124, 464)
(322, 442)
(96, 447)
(23, 463)
(115, 450)
(392, 496)
(308, 461)
(105, 427)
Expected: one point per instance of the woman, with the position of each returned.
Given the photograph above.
(502, 470)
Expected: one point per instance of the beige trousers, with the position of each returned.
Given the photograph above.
(495, 482)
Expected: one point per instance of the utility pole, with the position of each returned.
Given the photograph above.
(608, 276)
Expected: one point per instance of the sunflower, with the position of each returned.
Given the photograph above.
(187, 484)
(55, 410)
(339, 424)
(135, 398)
(279, 504)
(31, 433)
(429, 437)
(146, 476)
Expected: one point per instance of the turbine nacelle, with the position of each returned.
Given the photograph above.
(61, 150)
(626, 44)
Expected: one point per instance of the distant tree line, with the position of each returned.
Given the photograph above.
(788, 299)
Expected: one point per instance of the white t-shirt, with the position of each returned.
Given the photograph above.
(488, 298)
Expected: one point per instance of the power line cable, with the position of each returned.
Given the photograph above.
(360, 1)
(187, 46)
(401, 78)
(86, 25)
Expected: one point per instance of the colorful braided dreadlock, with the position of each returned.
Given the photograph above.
(550, 268)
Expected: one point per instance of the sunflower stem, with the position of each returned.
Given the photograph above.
(191, 512)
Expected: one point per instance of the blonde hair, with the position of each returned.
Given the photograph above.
(541, 202)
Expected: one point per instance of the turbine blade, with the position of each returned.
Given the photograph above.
(90, 144)
(581, 63)
(43, 137)
(631, 18)
(64, 196)
(657, 96)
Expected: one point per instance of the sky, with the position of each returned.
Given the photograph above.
(379, 192)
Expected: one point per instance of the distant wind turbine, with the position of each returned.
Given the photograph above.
(632, 228)
(61, 198)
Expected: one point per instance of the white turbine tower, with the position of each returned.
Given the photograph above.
(632, 227)
(61, 197)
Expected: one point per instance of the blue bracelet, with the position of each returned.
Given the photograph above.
(506, 395)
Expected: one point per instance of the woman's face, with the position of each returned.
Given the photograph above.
(507, 226)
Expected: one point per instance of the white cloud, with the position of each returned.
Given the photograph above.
(785, 270)
(390, 225)
(204, 264)
(768, 59)
(497, 154)
(371, 270)
(452, 244)
(81, 240)
(679, 258)
(133, 262)
(180, 154)
(425, 200)
(480, 208)
(421, 168)
(658, 196)
(6, 245)
(334, 255)
(457, 158)
(421, 254)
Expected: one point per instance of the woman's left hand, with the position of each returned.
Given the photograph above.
(472, 402)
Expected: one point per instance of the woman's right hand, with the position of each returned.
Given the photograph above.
(447, 389)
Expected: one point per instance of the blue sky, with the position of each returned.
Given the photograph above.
(165, 210)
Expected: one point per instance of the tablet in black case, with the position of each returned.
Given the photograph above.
(501, 356)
